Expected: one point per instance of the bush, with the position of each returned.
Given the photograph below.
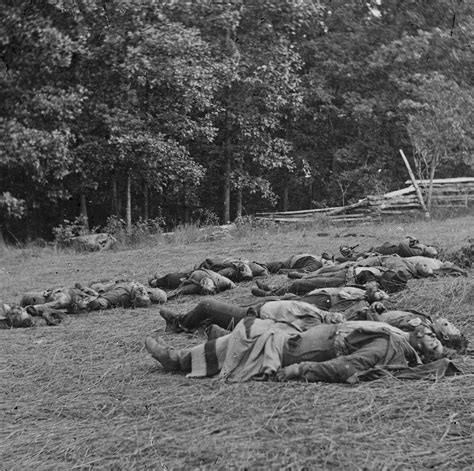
(65, 232)
(141, 230)
(205, 217)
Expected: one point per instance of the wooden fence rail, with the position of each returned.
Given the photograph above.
(455, 192)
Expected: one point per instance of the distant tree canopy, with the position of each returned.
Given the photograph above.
(171, 107)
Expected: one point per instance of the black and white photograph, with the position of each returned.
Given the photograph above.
(236, 234)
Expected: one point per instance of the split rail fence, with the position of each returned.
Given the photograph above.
(446, 192)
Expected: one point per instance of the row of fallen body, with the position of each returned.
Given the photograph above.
(326, 322)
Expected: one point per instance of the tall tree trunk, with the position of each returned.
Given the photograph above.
(186, 206)
(119, 207)
(239, 203)
(227, 157)
(84, 216)
(115, 202)
(285, 195)
(226, 215)
(128, 215)
(239, 196)
(146, 213)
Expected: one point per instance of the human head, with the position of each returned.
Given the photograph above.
(449, 335)
(423, 271)
(430, 252)
(18, 317)
(207, 286)
(79, 300)
(424, 341)
(377, 307)
(244, 272)
(373, 293)
(327, 260)
(140, 297)
(156, 295)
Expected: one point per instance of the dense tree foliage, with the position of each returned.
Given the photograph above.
(171, 107)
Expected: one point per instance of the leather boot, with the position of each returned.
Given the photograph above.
(259, 292)
(168, 357)
(172, 320)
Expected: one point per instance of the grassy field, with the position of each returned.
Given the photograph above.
(87, 395)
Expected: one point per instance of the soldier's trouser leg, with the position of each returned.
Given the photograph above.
(184, 290)
(306, 285)
(213, 311)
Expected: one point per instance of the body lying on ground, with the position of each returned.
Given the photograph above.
(126, 294)
(16, 316)
(437, 267)
(302, 262)
(346, 352)
(336, 276)
(414, 267)
(68, 299)
(227, 316)
(202, 281)
(168, 281)
(235, 269)
(391, 272)
(408, 247)
(448, 334)
(345, 300)
(79, 298)
(303, 315)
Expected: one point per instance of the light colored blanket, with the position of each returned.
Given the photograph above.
(252, 350)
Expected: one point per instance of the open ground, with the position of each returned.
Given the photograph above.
(86, 395)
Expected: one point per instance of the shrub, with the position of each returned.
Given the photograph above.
(141, 230)
(205, 217)
(65, 232)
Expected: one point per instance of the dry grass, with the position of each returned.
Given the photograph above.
(86, 394)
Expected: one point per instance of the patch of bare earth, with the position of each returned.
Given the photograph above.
(86, 394)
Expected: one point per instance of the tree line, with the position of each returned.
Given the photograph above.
(182, 109)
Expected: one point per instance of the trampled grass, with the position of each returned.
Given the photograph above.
(86, 394)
